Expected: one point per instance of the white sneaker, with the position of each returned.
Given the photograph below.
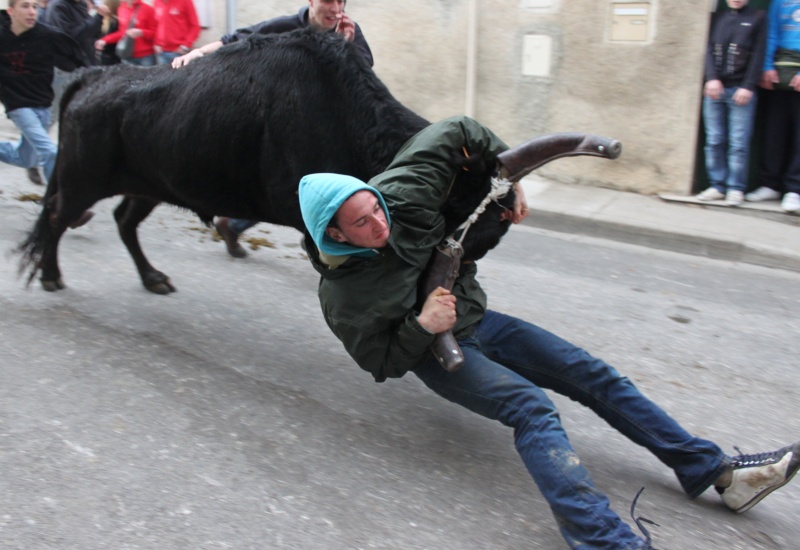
(763, 194)
(710, 194)
(756, 476)
(734, 198)
(791, 202)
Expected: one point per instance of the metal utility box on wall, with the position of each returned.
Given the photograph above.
(629, 22)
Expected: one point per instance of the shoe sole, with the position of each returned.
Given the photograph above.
(794, 465)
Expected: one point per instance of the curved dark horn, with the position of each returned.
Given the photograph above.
(519, 161)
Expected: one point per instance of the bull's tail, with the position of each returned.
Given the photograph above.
(42, 238)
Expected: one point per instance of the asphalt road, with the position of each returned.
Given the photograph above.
(227, 416)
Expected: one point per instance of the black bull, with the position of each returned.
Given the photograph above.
(229, 135)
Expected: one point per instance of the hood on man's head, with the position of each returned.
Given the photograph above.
(321, 195)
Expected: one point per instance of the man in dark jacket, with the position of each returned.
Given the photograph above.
(321, 14)
(370, 266)
(732, 70)
(72, 18)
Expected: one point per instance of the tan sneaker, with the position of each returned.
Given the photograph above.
(756, 476)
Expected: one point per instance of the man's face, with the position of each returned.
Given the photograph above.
(23, 15)
(361, 222)
(323, 13)
(737, 4)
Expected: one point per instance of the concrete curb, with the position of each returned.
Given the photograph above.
(723, 234)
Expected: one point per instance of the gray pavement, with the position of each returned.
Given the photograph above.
(135, 421)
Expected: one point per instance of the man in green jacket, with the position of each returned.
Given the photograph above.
(371, 262)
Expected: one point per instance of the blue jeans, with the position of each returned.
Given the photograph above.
(35, 148)
(509, 363)
(239, 226)
(146, 61)
(165, 58)
(727, 150)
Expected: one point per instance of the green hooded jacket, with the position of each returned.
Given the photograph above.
(370, 301)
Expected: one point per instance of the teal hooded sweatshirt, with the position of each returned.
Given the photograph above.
(321, 195)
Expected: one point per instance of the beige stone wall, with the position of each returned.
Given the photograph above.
(646, 94)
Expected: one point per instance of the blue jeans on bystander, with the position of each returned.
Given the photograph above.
(239, 226)
(728, 131)
(35, 148)
(508, 365)
(146, 61)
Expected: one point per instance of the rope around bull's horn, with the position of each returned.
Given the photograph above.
(500, 187)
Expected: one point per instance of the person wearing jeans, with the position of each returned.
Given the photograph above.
(370, 264)
(732, 69)
(28, 53)
(35, 146)
(780, 158)
(178, 28)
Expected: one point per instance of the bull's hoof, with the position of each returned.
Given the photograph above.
(52, 286)
(158, 283)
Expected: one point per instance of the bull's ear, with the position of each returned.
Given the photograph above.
(335, 234)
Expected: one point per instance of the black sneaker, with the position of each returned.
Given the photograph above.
(756, 476)
(35, 176)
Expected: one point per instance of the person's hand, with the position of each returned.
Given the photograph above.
(102, 9)
(713, 89)
(438, 312)
(134, 33)
(769, 79)
(742, 96)
(521, 209)
(99, 44)
(795, 83)
(346, 27)
(183, 60)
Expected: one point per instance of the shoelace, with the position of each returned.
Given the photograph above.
(640, 520)
(742, 460)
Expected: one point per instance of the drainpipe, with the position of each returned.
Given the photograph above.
(472, 57)
(230, 15)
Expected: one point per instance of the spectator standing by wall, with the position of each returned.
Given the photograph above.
(780, 159)
(143, 31)
(178, 28)
(734, 59)
(320, 14)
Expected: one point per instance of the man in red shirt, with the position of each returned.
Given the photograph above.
(178, 28)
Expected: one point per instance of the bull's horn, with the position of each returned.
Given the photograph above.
(519, 161)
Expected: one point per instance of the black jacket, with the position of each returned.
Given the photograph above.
(27, 61)
(288, 23)
(72, 18)
(736, 46)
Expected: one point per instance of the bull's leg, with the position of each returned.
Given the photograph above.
(129, 214)
(48, 232)
(57, 215)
